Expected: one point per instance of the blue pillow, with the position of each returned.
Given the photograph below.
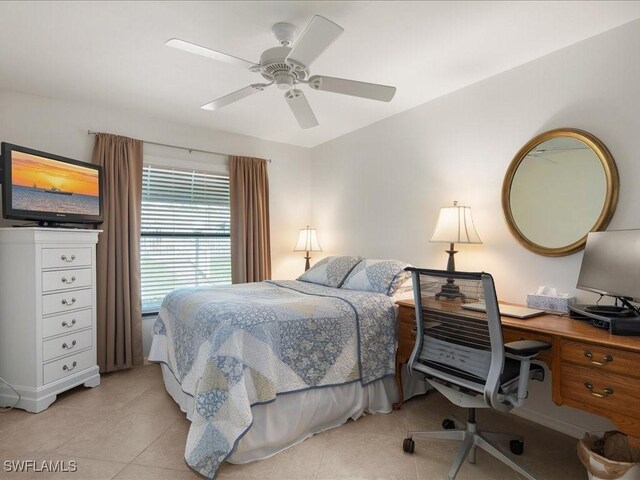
(330, 271)
(381, 276)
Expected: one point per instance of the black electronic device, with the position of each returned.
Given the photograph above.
(48, 188)
(611, 267)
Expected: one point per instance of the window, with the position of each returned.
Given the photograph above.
(185, 238)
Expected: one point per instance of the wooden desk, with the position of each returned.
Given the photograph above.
(591, 369)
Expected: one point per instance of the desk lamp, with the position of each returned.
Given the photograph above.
(455, 225)
(307, 242)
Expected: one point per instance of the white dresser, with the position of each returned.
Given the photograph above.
(47, 313)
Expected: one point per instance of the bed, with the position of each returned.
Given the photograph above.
(259, 367)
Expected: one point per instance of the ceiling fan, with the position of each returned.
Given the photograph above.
(288, 67)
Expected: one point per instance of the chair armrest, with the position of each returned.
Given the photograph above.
(526, 348)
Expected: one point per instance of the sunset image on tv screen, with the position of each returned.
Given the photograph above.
(45, 185)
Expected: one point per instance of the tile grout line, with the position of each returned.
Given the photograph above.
(154, 441)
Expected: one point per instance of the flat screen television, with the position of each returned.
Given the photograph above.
(48, 188)
(611, 265)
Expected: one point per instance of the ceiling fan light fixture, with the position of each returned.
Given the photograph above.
(284, 81)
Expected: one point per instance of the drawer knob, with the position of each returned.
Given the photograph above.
(66, 368)
(70, 259)
(65, 324)
(67, 302)
(606, 359)
(413, 316)
(67, 280)
(605, 393)
(73, 344)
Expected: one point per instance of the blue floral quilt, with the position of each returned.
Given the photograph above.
(236, 346)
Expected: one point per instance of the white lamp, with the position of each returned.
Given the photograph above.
(455, 225)
(307, 242)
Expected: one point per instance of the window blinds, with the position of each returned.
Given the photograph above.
(185, 232)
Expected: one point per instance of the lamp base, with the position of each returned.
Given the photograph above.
(307, 265)
(450, 290)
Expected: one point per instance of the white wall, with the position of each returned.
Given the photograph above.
(61, 127)
(376, 192)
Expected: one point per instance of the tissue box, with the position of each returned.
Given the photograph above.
(553, 303)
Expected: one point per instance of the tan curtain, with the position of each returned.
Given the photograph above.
(118, 263)
(250, 238)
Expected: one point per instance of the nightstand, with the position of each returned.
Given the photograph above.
(406, 341)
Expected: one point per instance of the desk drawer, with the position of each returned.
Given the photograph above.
(61, 302)
(513, 335)
(66, 323)
(71, 343)
(66, 257)
(606, 392)
(605, 359)
(68, 365)
(66, 279)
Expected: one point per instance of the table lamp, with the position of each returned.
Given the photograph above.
(455, 225)
(307, 242)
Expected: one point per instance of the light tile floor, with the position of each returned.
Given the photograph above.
(130, 428)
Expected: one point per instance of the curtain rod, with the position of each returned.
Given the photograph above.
(90, 132)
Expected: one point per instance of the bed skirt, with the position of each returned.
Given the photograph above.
(294, 417)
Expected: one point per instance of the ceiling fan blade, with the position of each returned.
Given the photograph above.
(207, 52)
(382, 93)
(301, 108)
(316, 38)
(235, 96)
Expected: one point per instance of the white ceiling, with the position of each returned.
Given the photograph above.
(113, 54)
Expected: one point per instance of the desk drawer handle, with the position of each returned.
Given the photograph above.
(413, 316)
(65, 324)
(606, 359)
(67, 302)
(68, 369)
(605, 393)
(64, 258)
(68, 281)
(73, 344)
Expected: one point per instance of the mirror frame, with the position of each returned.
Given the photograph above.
(611, 196)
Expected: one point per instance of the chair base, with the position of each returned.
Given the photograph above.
(471, 438)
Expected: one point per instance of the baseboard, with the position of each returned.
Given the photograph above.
(553, 423)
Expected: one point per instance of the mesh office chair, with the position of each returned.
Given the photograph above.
(461, 353)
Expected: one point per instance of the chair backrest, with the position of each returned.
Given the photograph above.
(459, 333)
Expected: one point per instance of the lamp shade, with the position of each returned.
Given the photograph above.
(307, 241)
(455, 225)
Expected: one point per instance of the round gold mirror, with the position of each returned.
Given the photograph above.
(560, 186)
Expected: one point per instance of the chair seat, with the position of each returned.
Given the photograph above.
(510, 373)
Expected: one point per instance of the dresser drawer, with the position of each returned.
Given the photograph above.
(606, 392)
(605, 359)
(513, 335)
(61, 302)
(57, 347)
(66, 323)
(407, 316)
(66, 279)
(68, 366)
(66, 257)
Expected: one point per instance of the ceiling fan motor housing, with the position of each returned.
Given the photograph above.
(275, 68)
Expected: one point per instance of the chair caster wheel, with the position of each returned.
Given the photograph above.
(409, 445)
(448, 424)
(516, 447)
